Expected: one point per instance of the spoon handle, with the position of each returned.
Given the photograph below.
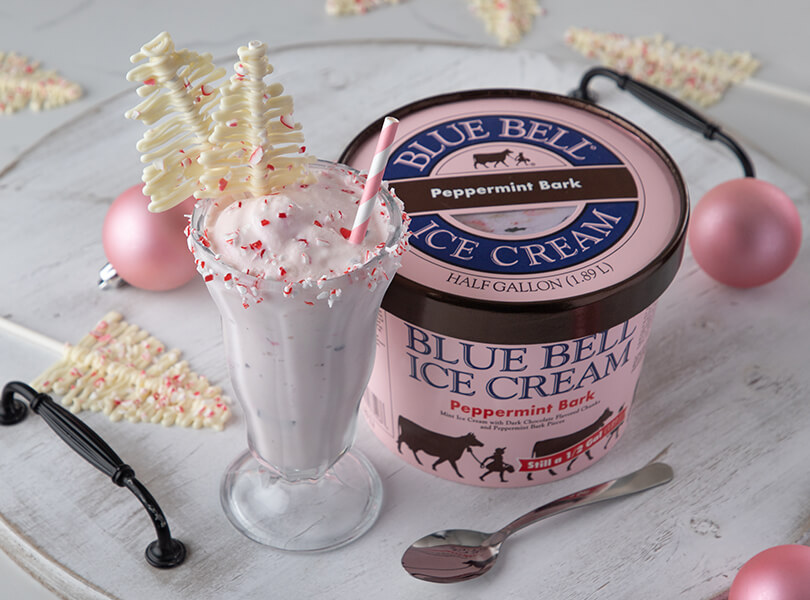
(650, 476)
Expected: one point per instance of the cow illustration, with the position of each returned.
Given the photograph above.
(559, 444)
(445, 447)
(493, 157)
(615, 430)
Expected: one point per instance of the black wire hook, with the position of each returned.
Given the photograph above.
(165, 552)
(667, 105)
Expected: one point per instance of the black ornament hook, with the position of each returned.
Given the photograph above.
(165, 552)
(667, 105)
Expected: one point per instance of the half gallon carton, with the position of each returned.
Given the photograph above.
(544, 229)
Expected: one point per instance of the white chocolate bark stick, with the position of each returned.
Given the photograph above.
(506, 20)
(178, 90)
(354, 7)
(23, 83)
(250, 145)
(121, 370)
(693, 73)
(31, 336)
(255, 146)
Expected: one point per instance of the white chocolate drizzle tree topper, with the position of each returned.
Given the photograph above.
(245, 143)
(121, 370)
(23, 83)
(255, 146)
(506, 20)
(694, 74)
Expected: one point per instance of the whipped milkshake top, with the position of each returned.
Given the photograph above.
(296, 238)
(298, 233)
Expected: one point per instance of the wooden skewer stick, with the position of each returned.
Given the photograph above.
(32, 336)
(777, 91)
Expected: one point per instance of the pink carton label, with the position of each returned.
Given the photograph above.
(502, 416)
(527, 201)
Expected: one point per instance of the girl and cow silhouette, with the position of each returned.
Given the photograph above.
(451, 448)
(497, 158)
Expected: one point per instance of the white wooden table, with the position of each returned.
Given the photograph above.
(722, 396)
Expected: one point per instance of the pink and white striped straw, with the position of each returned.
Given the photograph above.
(375, 175)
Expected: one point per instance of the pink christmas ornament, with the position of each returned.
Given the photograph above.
(778, 573)
(148, 250)
(745, 232)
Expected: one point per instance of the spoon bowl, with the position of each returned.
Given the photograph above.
(450, 555)
(454, 555)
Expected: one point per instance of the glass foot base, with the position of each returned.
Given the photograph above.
(302, 516)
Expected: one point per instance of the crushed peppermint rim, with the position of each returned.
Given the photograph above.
(375, 265)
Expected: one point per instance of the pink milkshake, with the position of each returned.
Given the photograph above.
(299, 307)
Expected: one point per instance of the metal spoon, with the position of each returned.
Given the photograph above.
(455, 555)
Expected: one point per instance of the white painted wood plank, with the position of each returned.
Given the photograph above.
(722, 397)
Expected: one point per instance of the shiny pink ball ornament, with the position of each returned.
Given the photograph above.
(148, 250)
(745, 232)
(778, 573)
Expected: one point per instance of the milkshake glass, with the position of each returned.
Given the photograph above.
(299, 357)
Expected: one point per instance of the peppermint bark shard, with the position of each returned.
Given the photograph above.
(255, 146)
(354, 7)
(23, 83)
(178, 90)
(506, 20)
(694, 74)
(124, 372)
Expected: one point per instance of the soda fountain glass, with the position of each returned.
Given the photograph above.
(298, 367)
